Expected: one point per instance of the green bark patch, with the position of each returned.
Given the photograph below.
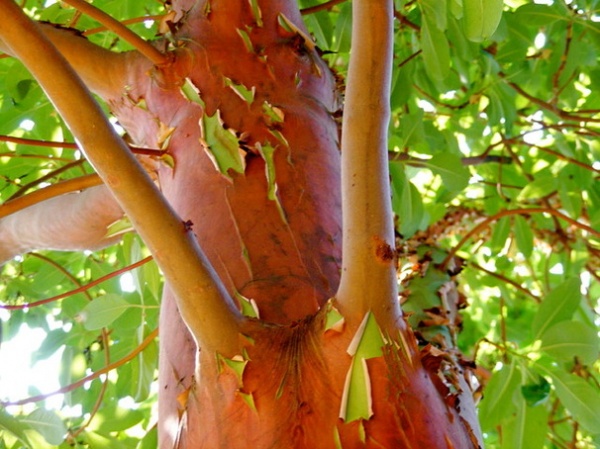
(256, 12)
(248, 306)
(241, 91)
(334, 320)
(221, 145)
(191, 92)
(357, 402)
(247, 41)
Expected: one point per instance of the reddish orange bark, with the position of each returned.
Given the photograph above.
(290, 267)
(283, 252)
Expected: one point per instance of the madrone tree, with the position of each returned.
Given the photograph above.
(257, 177)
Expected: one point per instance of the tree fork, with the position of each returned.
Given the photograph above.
(203, 302)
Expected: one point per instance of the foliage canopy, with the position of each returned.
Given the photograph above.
(494, 161)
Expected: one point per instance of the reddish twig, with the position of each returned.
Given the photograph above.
(322, 7)
(80, 289)
(144, 47)
(537, 210)
(91, 377)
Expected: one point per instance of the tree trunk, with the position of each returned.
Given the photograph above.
(244, 77)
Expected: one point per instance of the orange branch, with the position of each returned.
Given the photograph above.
(24, 188)
(70, 185)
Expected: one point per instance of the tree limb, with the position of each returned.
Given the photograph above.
(103, 71)
(368, 281)
(71, 222)
(204, 303)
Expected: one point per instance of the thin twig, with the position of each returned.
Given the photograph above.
(505, 213)
(322, 7)
(40, 397)
(80, 289)
(124, 22)
(505, 280)
(45, 178)
(121, 30)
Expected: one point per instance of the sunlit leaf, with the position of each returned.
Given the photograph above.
(569, 339)
(48, 424)
(481, 18)
(454, 175)
(539, 188)
(436, 51)
(559, 305)
(102, 311)
(406, 201)
(498, 402)
(523, 235)
(580, 398)
(528, 428)
(14, 426)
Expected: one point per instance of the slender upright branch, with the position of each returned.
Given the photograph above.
(202, 300)
(368, 281)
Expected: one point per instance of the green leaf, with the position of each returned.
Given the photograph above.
(406, 201)
(481, 18)
(436, 51)
(559, 305)
(116, 419)
(454, 175)
(142, 370)
(14, 426)
(523, 235)
(48, 424)
(241, 91)
(528, 428)
(500, 233)
(436, 11)
(334, 319)
(248, 306)
(536, 393)
(539, 188)
(342, 35)
(569, 339)
(497, 402)
(102, 311)
(537, 15)
(579, 398)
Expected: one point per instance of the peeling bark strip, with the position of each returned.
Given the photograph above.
(245, 111)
